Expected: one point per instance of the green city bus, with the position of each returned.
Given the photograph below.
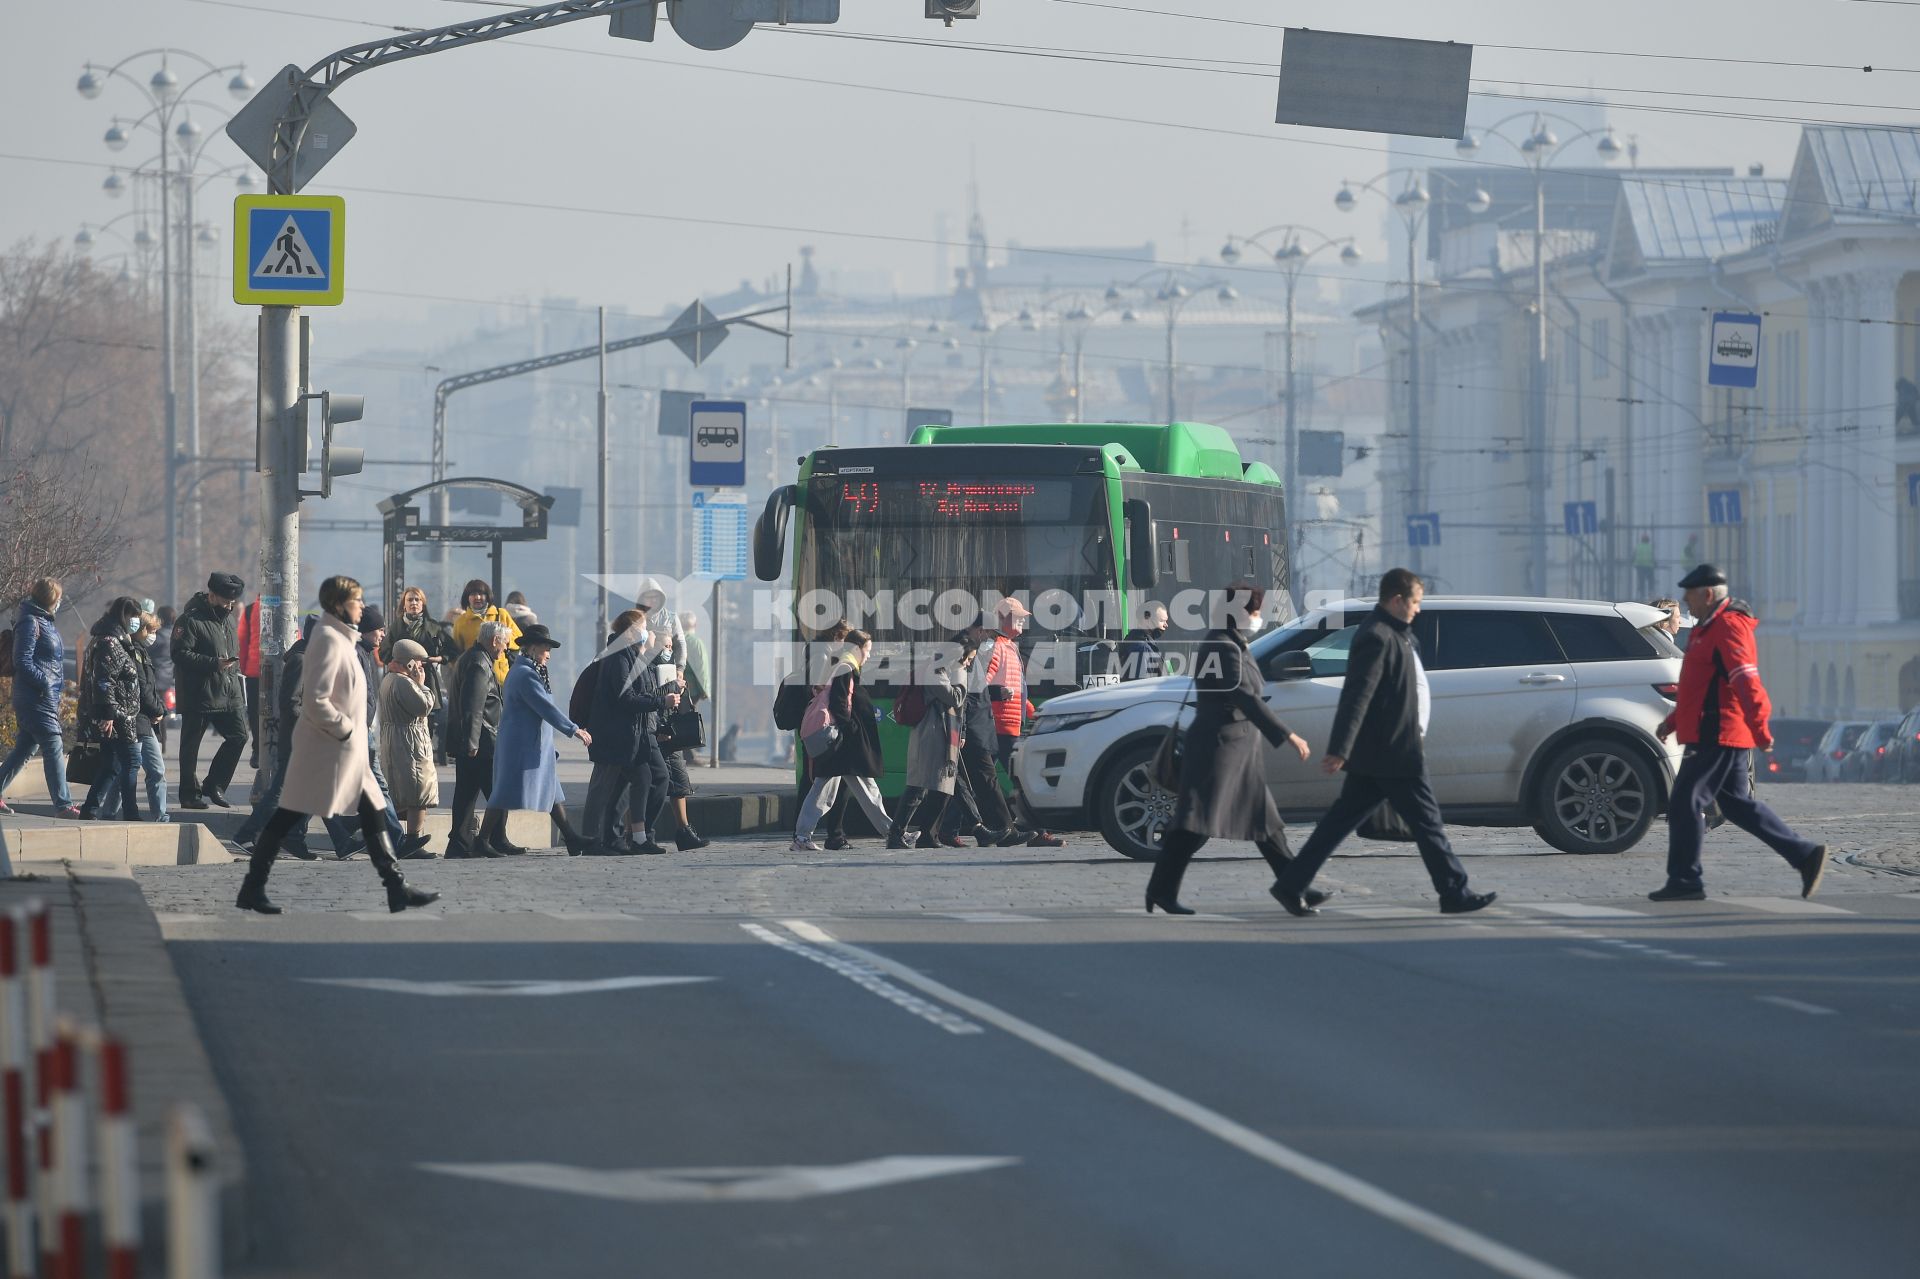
(1117, 514)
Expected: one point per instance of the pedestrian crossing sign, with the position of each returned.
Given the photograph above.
(289, 250)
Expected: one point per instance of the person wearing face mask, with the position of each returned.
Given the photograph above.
(1223, 781)
(110, 704)
(210, 692)
(1140, 656)
(153, 713)
(329, 771)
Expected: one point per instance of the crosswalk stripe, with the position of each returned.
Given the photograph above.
(1579, 910)
(994, 917)
(1786, 906)
(1381, 912)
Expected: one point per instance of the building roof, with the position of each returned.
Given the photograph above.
(1853, 173)
(1672, 220)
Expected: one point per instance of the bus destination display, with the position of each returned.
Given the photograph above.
(981, 501)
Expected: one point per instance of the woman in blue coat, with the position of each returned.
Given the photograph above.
(39, 674)
(523, 755)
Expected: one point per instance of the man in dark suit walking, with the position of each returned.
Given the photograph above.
(1377, 740)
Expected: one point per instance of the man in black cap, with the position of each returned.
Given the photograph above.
(209, 690)
(1720, 715)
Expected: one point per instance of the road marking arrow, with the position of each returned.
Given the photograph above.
(724, 1185)
(444, 989)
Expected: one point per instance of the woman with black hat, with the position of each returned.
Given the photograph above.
(328, 769)
(523, 755)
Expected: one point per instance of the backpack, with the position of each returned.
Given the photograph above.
(580, 701)
(789, 705)
(911, 706)
(6, 653)
(818, 732)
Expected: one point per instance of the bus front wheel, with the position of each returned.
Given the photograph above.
(1134, 812)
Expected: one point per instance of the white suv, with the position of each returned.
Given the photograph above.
(1543, 714)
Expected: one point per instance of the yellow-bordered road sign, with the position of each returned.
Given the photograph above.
(289, 250)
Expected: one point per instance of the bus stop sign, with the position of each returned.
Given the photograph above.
(717, 444)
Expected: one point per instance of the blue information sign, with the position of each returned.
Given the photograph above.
(719, 538)
(1583, 518)
(1423, 530)
(1723, 506)
(1733, 350)
(717, 444)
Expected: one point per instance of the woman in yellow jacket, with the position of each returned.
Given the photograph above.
(481, 609)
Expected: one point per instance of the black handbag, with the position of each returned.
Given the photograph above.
(1386, 825)
(84, 762)
(1165, 768)
(684, 731)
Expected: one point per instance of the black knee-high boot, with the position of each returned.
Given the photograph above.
(903, 816)
(400, 894)
(1177, 848)
(253, 889)
(575, 845)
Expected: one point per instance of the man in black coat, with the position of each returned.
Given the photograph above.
(1140, 656)
(210, 692)
(1377, 740)
(621, 719)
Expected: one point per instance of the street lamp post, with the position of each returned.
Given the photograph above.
(1411, 204)
(1292, 258)
(1538, 150)
(1174, 296)
(165, 95)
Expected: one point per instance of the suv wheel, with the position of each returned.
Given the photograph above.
(1595, 796)
(1134, 812)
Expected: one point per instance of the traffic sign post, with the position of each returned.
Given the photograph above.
(1733, 350)
(289, 250)
(717, 444)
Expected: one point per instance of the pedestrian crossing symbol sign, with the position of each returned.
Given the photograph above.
(289, 250)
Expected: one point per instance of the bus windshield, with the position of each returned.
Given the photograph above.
(980, 533)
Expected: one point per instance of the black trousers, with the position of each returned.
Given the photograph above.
(1412, 798)
(983, 784)
(917, 802)
(1709, 773)
(472, 778)
(231, 726)
(1177, 848)
(253, 716)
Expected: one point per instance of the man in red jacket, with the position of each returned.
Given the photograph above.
(1721, 715)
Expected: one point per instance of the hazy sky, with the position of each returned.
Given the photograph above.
(602, 130)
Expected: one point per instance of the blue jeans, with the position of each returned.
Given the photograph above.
(257, 819)
(154, 764)
(53, 758)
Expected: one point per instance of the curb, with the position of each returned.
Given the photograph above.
(752, 813)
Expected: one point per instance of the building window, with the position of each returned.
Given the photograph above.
(1602, 349)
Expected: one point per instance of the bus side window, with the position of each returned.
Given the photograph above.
(1176, 560)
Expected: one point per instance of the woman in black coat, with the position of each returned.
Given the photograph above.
(1223, 783)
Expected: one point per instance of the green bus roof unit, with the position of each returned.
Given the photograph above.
(1181, 448)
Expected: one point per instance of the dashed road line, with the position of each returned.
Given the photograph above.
(1781, 1001)
(861, 974)
(1200, 916)
(991, 917)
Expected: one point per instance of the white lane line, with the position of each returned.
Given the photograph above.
(1580, 910)
(1448, 1234)
(1786, 906)
(865, 977)
(991, 917)
(1199, 916)
(1380, 912)
(1783, 1002)
(1584, 953)
(402, 916)
(586, 916)
(167, 918)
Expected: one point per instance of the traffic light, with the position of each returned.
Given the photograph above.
(947, 10)
(336, 410)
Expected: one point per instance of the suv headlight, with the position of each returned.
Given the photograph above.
(1054, 723)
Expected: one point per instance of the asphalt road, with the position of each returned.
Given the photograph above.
(1722, 1088)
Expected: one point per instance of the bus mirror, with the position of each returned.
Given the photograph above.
(1143, 566)
(770, 535)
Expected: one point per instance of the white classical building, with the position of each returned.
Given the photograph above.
(1805, 489)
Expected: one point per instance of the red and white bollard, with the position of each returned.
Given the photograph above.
(17, 1213)
(119, 1170)
(193, 1197)
(72, 1197)
(40, 1032)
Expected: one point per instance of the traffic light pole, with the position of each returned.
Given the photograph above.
(282, 454)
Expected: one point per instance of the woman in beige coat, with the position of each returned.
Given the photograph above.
(328, 772)
(406, 735)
